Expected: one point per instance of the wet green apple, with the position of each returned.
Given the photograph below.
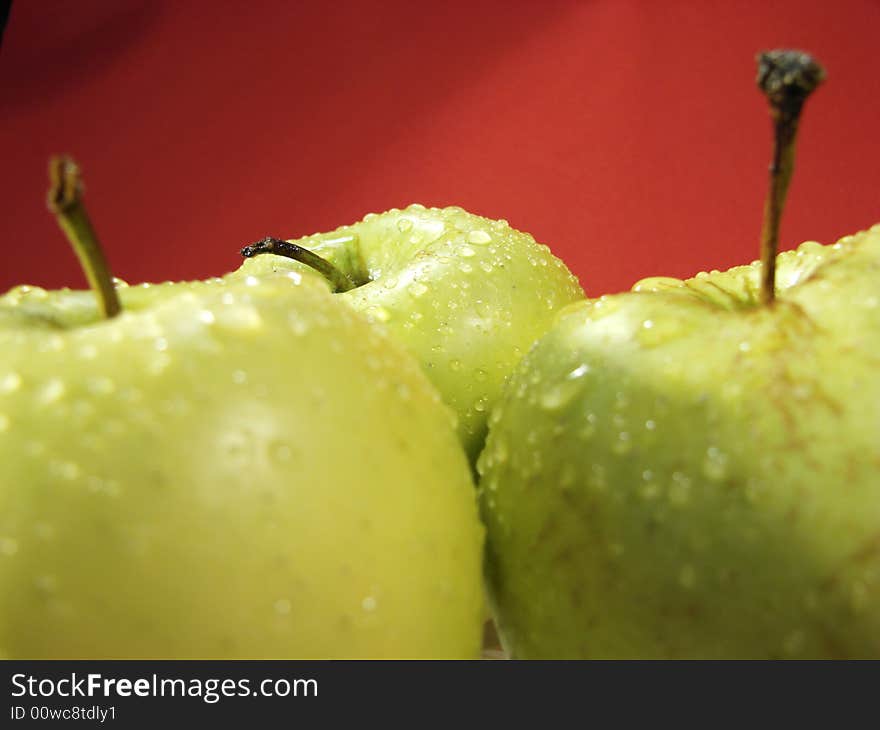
(692, 469)
(691, 474)
(234, 468)
(466, 295)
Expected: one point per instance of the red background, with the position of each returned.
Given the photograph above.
(627, 135)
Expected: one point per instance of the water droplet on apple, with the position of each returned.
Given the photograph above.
(715, 464)
(559, 395)
(298, 325)
(239, 377)
(588, 430)
(417, 288)
(8, 546)
(479, 237)
(480, 405)
(46, 584)
(64, 469)
(623, 444)
(404, 224)
(100, 385)
(158, 364)
(282, 606)
(465, 268)
(455, 365)
(369, 603)
(10, 382)
(378, 314)
(597, 479)
(280, 452)
(655, 332)
(390, 282)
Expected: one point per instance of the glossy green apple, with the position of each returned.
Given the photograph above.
(466, 295)
(233, 468)
(692, 469)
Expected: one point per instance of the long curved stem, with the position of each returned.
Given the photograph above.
(337, 278)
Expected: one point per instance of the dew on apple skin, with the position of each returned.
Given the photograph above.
(8, 546)
(46, 584)
(455, 365)
(715, 464)
(559, 395)
(369, 603)
(239, 377)
(101, 385)
(622, 444)
(465, 268)
(298, 325)
(404, 224)
(679, 491)
(10, 382)
(378, 314)
(67, 470)
(481, 404)
(282, 606)
(588, 430)
(479, 237)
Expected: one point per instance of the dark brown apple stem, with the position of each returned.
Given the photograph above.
(279, 247)
(787, 78)
(65, 201)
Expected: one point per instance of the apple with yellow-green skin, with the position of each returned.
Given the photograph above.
(684, 472)
(466, 295)
(235, 468)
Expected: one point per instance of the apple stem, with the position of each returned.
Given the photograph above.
(65, 201)
(279, 247)
(787, 78)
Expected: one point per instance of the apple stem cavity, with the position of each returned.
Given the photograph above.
(787, 78)
(65, 201)
(338, 279)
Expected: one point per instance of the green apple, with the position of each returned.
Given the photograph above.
(467, 296)
(234, 468)
(692, 469)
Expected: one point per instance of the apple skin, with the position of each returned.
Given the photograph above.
(680, 472)
(466, 295)
(237, 468)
